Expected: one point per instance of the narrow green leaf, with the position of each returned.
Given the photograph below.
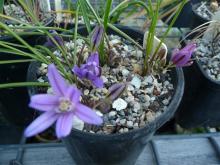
(16, 61)
(84, 11)
(1, 6)
(107, 12)
(23, 84)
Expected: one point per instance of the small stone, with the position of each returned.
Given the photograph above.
(137, 107)
(136, 81)
(130, 124)
(115, 41)
(139, 54)
(149, 80)
(130, 88)
(50, 91)
(125, 72)
(104, 79)
(119, 104)
(149, 116)
(105, 91)
(136, 125)
(137, 69)
(214, 6)
(122, 121)
(86, 92)
(112, 114)
(130, 99)
(121, 130)
(218, 77)
(77, 123)
(165, 101)
(40, 79)
(99, 113)
(126, 129)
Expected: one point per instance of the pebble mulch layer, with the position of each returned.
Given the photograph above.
(145, 97)
(208, 54)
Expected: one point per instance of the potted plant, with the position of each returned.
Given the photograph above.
(200, 102)
(108, 88)
(203, 11)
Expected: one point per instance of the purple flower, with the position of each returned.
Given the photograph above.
(97, 37)
(57, 38)
(91, 70)
(116, 90)
(182, 57)
(60, 107)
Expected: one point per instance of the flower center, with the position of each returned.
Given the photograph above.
(65, 105)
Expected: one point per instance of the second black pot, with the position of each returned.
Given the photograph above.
(201, 99)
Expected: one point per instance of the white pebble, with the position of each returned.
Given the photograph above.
(119, 104)
(136, 82)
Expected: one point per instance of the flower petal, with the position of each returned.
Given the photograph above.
(64, 124)
(40, 124)
(87, 115)
(97, 36)
(73, 93)
(189, 47)
(98, 82)
(57, 82)
(44, 102)
(94, 57)
(77, 71)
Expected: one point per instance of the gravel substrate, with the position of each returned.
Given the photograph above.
(144, 98)
(208, 54)
(207, 10)
(17, 12)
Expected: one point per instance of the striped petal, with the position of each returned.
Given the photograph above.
(44, 102)
(57, 82)
(64, 125)
(87, 115)
(40, 124)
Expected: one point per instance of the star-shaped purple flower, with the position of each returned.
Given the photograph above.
(91, 70)
(60, 107)
(182, 57)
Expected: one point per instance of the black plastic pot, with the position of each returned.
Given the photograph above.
(15, 100)
(201, 99)
(120, 149)
(183, 20)
(116, 149)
